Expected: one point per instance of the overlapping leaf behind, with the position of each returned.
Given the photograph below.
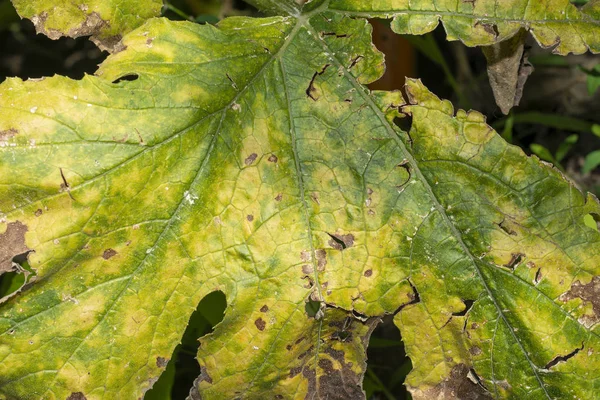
(249, 158)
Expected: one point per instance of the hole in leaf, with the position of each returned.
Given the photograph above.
(538, 276)
(337, 242)
(183, 368)
(515, 260)
(312, 308)
(404, 123)
(564, 358)
(128, 78)
(10, 282)
(468, 305)
(506, 228)
(387, 363)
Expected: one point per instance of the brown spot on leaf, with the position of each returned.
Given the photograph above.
(295, 371)
(321, 259)
(506, 228)
(250, 217)
(307, 269)
(333, 381)
(311, 90)
(492, 29)
(12, 244)
(475, 351)
(368, 273)
(514, 260)
(204, 376)
(457, 385)
(260, 324)
(315, 197)
(38, 212)
(250, 159)
(76, 396)
(355, 61)
(279, 197)
(305, 255)
(341, 242)
(589, 293)
(538, 276)
(307, 352)
(273, 158)
(7, 134)
(108, 253)
(264, 308)
(334, 377)
(161, 362)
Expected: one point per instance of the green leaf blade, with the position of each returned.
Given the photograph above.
(249, 158)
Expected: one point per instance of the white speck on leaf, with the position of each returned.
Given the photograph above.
(190, 198)
(33, 110)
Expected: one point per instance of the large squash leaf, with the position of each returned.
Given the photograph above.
(249, 158)
(105, 20)
(553, 23)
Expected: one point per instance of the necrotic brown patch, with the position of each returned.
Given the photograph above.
(161, 362)
(260, 324)
(12, 244)
(77, 396)
(108, 253)
(250, 159)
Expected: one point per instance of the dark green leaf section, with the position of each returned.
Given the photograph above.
(523, 225)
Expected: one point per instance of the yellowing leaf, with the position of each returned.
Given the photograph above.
(553, 23)
(105, 20)
(249, 158)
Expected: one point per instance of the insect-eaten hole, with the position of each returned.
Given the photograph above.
(468, 305)
(559, 359)
(126, 78)
(11, 282)
(515, 260)
(404, 123)
(183, 368)
(387, 361)
(313, 309)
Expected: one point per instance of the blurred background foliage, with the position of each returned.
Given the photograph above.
(558, 120)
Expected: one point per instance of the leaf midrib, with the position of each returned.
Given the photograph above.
(419, 175)
(170, 221)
